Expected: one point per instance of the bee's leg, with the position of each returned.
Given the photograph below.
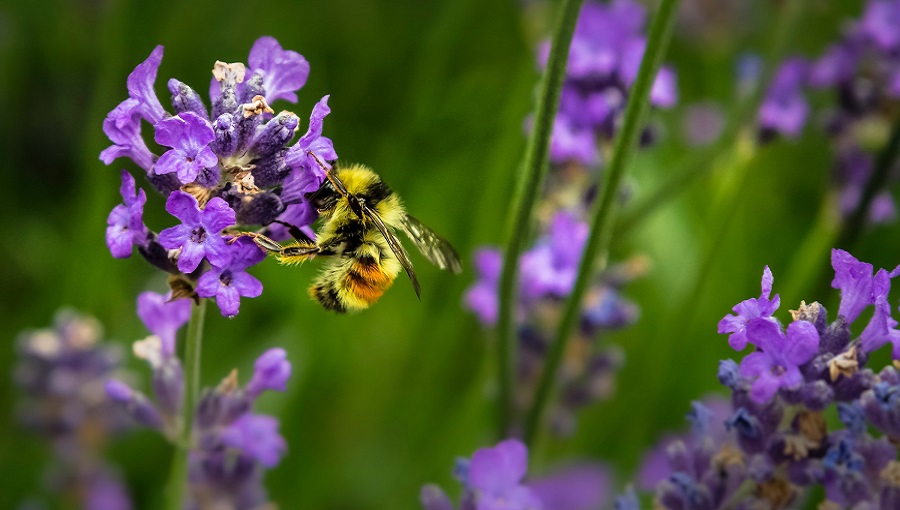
(262, 241)
(294, 231)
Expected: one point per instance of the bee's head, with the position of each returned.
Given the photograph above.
(324, 199)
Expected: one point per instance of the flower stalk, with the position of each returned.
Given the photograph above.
(626, 143)
(534, 170)
(178, 477)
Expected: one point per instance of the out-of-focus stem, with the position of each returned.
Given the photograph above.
(178, 476)
(626, 143)
(529, 183)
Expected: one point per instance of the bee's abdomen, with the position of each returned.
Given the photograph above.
(355, 284)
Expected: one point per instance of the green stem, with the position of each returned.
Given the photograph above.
(533, 172)
(178, 476)
(626, 143)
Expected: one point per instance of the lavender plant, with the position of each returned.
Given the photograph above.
(231, 446)
(61, 372)
(601, 66)
(773, 441)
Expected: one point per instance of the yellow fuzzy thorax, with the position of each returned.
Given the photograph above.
(358, 179)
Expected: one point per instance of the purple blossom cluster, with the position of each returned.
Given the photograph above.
(495, 479)
(861, 73)
(547, 274)
(772, 442)
(604, 57)
(60, 371)
(232, 446)
(228, 165)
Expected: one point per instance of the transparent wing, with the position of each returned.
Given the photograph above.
(437, 250)
(396, 247)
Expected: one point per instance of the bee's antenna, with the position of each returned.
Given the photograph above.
(319, 161)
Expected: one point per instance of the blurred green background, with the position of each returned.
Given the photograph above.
(433, 96)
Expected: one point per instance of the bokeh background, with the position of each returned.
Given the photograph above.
(433, 95)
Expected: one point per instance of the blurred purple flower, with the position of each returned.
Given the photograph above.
(163, 317)
(228, 282)
(584, 486)
(784, 109)
(481, 298)
(198, 235)
(257, 436)
(880, 21)
(271, 372)
(495, 474)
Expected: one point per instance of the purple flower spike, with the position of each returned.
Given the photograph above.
(125, 224)
(140, 86)
(583, 486)
(481, 298)
(284, 71)
(784, 109)
(123, 128)
(496, 475)
(257, 436)
(776, 365)
(573, 143)
(761, 307)
(228, 282)
(198, 235)
(271, 372)
(163, 317)
(189, 135)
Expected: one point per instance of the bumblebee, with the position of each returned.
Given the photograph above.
(360, 214)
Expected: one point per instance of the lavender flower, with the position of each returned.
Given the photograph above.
(230, 163)
(125, 225)
(231, 281)
(776, 364)
(189, 137)
(60, 371)
(198, 235)
(762, 307)
(784, 109)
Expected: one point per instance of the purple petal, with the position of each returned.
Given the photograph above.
(217, 215)
(578, 487)
(140, 86)
(191, 255)
(208, 284)
(316, 121)
(488, 263)
(802, 342)
(284, 71)
(185, 207)
(755, 364)
(767, 281)
(664, 93)
(765, 334)
(228, 300)
(216, 250)
(245, 253)
(764, 388)
(119, 237)
(123, 128)
(175, 161)
(854, 279)
(174, 237)
(246, 284)
(482, 300)
(270, 372)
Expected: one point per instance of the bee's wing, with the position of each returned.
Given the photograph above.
(396, 247)
(437, 250)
